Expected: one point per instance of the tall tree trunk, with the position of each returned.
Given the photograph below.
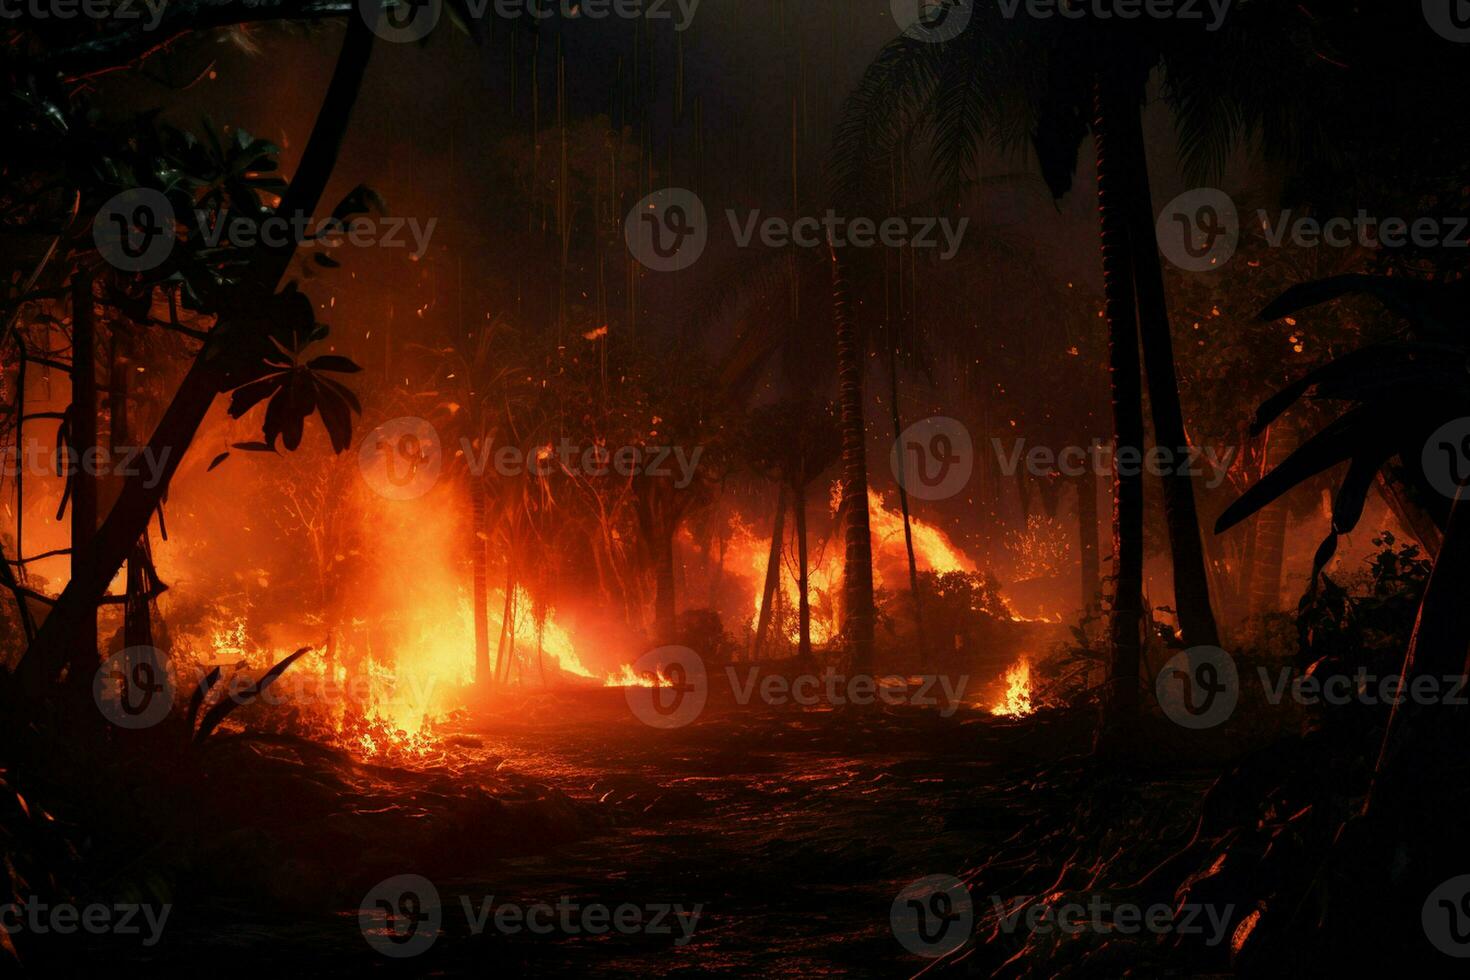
(140, 498)
(803, 584)
(507, 620)
(1089, 563)
(857, 574)
(479, 563)
(137, 608)
(903, 502)
(1120, 702)
(84, 448)
(773, 574)
(664, 605)
(1270, 545)
(1191, 580)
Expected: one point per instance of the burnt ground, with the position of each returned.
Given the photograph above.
(793, 829)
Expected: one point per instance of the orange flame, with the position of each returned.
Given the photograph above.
(1016, 702)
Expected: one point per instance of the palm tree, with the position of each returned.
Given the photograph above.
(1048, 83)
(858, 612)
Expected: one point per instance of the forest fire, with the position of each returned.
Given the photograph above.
(1015, 702)
(838, 489)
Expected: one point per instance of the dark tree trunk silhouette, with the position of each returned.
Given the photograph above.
(1270, 529)
(903, 502)
(804, 605)
(1088, 562)
(140, 498)
(84, 444)
(773, 574)
(479, 563)
(1181, 517)
(507, 620)
(1120, 701)
(857, 575)
(137, 610)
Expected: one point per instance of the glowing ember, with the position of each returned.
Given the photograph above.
(1016, 703)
